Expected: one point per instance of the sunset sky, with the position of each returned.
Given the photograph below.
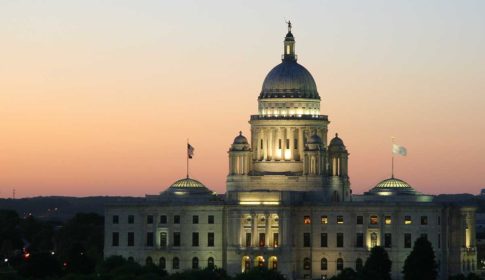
(99, 97)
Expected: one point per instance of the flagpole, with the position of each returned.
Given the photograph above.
(392, 161)
(187, 154)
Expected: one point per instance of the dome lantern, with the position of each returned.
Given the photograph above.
(289, 45)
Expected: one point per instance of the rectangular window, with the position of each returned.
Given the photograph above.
(340, 220)
(439, 220)
(150, 219)
(359, 240)
(163, 239)
(195, 239)
(261, 144)
(408, 220)
(424, 220)
(373, 220)
(116, 219)
(323, 240)
(387, 220)
(195, 219)
(387, 240)
(131, 239)
(176, 219)
(248, 239)
(279, 144)
(115, 239)
(275, 239)
(407, 240)
(210, 239)
(149, 239)
(287, 143)
(163, 219)
(176, 239)
(131, 219)
(324, 220)
(307, 220)
(295, 144)
(210, 219)
(306, 239)
(340, 239)
(262, 239)
(439, 240)
(360, 220)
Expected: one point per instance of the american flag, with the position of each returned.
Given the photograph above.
(190, 150)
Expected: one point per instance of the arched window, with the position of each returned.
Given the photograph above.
(260, 261)
(307, 264)
(210, 262)
(273, 263)
(148, 261)
(323, 264)
(162, 263)
(340, 264)
(358, 264)
(175, 263)
(195, 263)
(246, 264)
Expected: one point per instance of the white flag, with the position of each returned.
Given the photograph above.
(399, 150)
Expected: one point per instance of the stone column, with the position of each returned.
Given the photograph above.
(270, 144)
(257, 145)
(254, 228)
(283, 146)
(278, 138)
(300, 143)
(268, 229)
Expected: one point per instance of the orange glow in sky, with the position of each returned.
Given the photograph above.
(99, 97)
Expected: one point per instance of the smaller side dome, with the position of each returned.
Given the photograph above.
(240, 139)
(337, 141)
(392, 186)
(315, 139)
(187, 183)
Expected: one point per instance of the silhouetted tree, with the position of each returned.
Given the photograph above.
(80, 242)
(260, 273)
(378, 265)
(347, 274)
(421, 263)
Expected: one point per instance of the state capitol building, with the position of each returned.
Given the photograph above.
(288, 203)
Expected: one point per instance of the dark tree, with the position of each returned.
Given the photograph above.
(80, 242)
(40, 265)
(421, 262)
(10, 238)
(260, 273)
(378, 265)
(347, 274)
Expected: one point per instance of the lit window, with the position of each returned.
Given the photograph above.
(324, 220)
(340, 220)
(307, 220)
(387, 220)
(407, 220)
(374, 220)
